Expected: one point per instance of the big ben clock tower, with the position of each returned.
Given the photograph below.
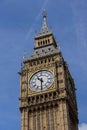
(47, 89)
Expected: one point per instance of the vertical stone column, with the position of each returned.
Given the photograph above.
(22, 120)
(48, 119)
(63, 114)
(38, 121)
(44, 120)
(52, 119)
(30, 121)
(57, 118)
(26, 119)
(34, 121)
(41, 120)
(66, 119)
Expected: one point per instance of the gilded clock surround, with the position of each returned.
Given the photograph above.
(54, 108)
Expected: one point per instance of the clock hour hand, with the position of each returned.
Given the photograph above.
(40, 79)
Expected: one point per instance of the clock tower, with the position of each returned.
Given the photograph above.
(47, 89)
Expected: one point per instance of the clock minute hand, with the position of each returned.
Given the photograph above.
(41, 81)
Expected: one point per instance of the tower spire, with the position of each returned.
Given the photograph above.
(44, 29)
(44, 20)
(44, 13)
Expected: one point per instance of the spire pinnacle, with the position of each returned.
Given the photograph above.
(44, 29)
(44, 13)
(44, 26)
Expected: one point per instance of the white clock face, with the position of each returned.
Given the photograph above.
(41, 80)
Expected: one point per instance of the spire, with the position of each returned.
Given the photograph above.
(44, 26)
(44, 29)
(44, 13)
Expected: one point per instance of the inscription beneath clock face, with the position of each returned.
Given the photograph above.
(41, 80)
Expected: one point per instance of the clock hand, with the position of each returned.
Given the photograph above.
(41, 83)
(41, 80)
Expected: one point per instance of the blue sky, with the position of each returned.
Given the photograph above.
(19, 21)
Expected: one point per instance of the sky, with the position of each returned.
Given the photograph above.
(19, 22)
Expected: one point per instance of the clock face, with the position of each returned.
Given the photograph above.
(41, 80)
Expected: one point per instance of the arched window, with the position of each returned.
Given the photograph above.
(43, 42)
(38, 43)
(48, 41)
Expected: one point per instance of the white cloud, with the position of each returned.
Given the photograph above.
(83, 126)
